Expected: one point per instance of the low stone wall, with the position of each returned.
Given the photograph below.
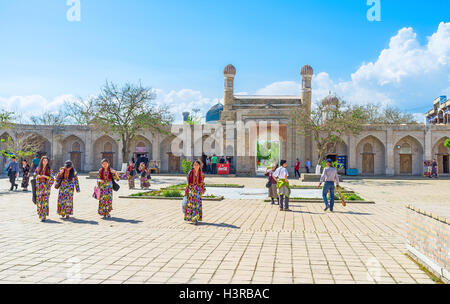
(428, 237)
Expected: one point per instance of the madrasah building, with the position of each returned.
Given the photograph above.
(378, 150)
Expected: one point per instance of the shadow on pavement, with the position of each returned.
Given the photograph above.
(352, 212)
(49, 221)
(80, 221)
(121, 220)
(222, 225)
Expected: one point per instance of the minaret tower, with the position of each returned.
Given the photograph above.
(228, 98)
(307, 72)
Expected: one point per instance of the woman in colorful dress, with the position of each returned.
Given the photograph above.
(106, 176)
(131, 173)
(68, 180)
(145, 183)
(25, 175)
(194, 190)
(44, 181)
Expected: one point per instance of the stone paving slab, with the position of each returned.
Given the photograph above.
(240, 241)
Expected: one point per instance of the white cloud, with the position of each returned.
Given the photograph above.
(406, 74)
(33, 105)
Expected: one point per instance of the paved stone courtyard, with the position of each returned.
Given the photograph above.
(240, 241)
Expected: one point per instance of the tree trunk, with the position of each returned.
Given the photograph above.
(125, 149)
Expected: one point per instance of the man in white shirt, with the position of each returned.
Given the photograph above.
(281, 176)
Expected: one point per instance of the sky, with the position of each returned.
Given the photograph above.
(180, 48)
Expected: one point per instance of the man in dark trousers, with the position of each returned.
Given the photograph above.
(13, 172)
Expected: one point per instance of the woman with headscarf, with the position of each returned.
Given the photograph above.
(44, 181)
(105, 183)
(25, 175)
(145, 184)
(66, 180)
(195, 188)
(131, 173)
(272, 183)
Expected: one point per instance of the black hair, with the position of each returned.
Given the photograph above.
(282, 162)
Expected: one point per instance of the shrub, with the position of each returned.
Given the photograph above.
(187, 166)
(172, 193)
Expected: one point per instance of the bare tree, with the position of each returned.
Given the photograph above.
(49, 119)
(82, 111)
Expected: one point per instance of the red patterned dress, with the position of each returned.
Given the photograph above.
(106, 192)
(43, 187)
(131, 174)
(65, 197)
(194, 191)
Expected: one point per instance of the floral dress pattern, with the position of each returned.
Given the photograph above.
(194, 193)
(43, 195)
(25, 177)
(145, 183)
(106, 196)
(130, 178)
(65, 197)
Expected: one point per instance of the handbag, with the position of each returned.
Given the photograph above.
(96, 193)
(115, 185)
(33, 189)
(268, 184)
(184, 203)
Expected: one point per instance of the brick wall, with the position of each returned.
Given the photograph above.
(428, 239)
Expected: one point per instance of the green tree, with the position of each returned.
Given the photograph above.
(447, 143)
(327, 124)
(186, 165)
(128, 110)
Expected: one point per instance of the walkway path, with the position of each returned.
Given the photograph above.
(240, 241)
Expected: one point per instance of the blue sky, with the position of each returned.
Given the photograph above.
(181, 47)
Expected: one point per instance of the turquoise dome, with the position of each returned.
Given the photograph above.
(213, 114)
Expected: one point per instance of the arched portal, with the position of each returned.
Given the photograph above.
(370, 153)
(408, 156)
(74, 149)
(106, 148)
(442, 155)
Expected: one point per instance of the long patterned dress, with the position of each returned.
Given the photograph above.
(106, 195)
(130, 177)
(145, 183)
(194, 191)
(43, 188)
(25, 176)
(65, 197)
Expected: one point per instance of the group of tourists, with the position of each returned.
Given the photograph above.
(14, 170)
(210, 163)
(143, 172)
(297, 167)
(279, 189)
(66, 182)
(431, 168)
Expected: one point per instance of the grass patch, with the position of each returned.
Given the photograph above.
(171, 193)
(424, 269)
